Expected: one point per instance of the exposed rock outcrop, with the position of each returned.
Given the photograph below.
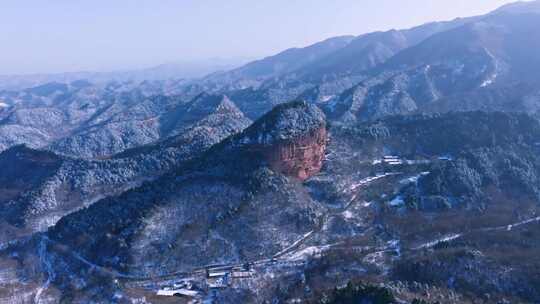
(291, 138)
(300, 158)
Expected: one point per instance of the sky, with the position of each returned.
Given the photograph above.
(51, 36)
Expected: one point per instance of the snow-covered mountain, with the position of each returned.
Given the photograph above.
(392, 167)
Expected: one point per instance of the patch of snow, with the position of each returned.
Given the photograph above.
(515, 225)
(489, 81)
(445, 158)
(296, 243)
(173, 292)
(306, 253)
(43, 223)
(397, 201)
(332, 105)
(326, 98)
(348, 215)
(491, 78)
(395, 244)
(388, 159)
(438, 241)
(3, 105)
(413, 179)
(417, 162)
(370, 179)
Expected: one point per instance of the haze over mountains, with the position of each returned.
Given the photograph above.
(391, 167)
(178, 70)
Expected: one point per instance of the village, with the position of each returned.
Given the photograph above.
(203, 282)
(217, 277)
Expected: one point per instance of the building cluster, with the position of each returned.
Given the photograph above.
(216, 277)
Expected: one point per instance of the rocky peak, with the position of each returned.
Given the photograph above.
(286, 122)
(202, 108)
(291, 138)
(208, 104)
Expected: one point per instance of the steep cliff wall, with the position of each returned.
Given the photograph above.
(291, 138)
(300, 157)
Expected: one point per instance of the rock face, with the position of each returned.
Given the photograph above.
(300, 158)
(291, 138)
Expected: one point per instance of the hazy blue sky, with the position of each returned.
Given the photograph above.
(71, 35)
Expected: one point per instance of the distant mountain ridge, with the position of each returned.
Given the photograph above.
(519, 7)
(433, 67)
(492, 54)
(176, 70)
(338, 55)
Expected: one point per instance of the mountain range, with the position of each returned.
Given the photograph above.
(175, 70)
(391, 167)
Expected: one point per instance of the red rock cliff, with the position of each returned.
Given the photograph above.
(300, 158)
(291, 139)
